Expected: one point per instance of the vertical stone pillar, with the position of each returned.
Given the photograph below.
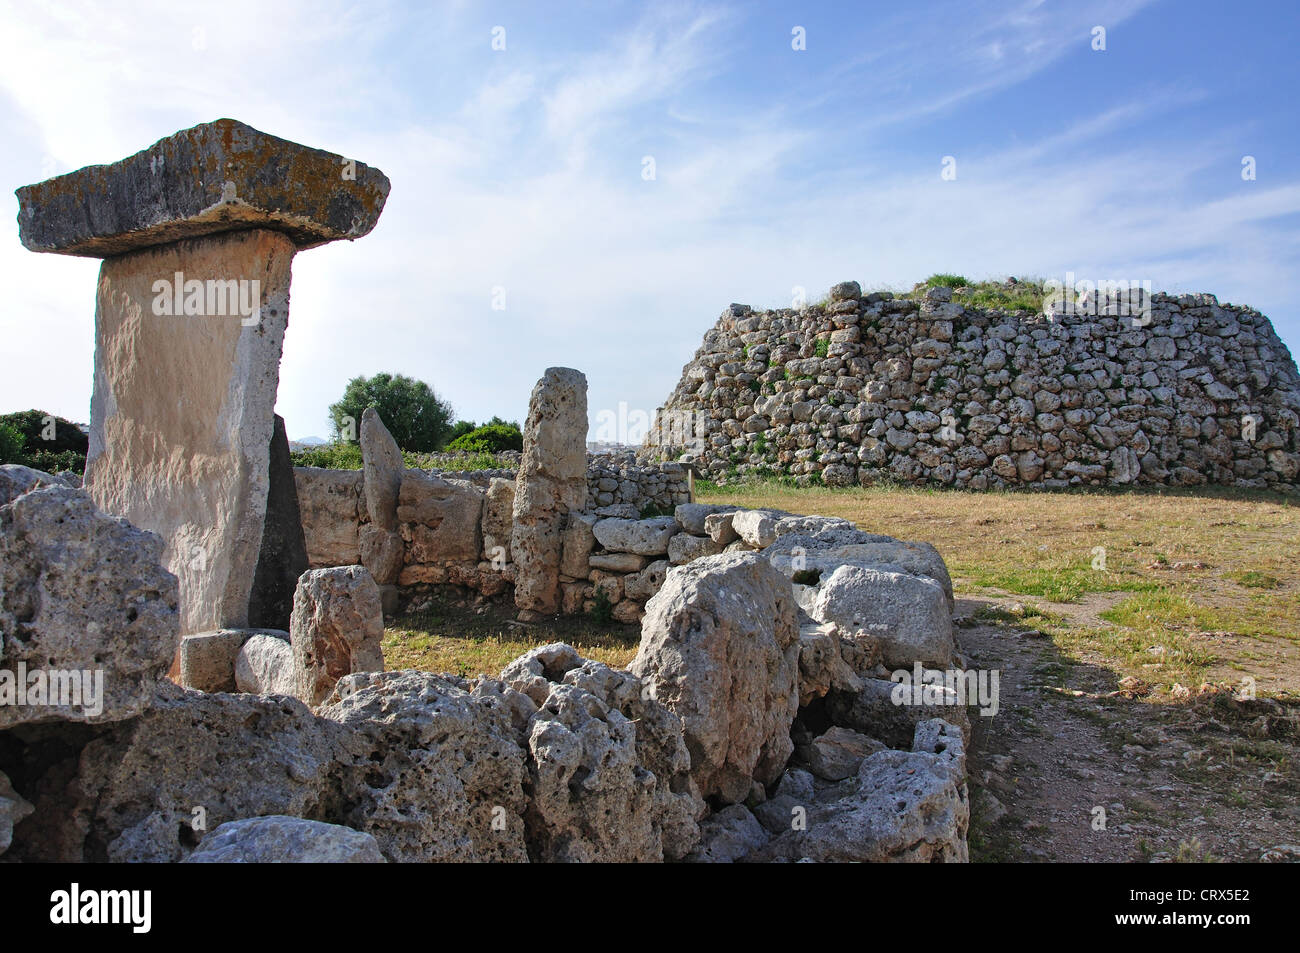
(198, 234)
(183, 412)
(552, 480)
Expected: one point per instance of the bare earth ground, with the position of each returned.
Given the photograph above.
(1127, 629)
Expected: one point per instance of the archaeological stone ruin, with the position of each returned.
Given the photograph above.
(871, 388)
(198, 235)
(191, 644)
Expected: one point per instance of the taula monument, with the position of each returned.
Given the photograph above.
(197, 234)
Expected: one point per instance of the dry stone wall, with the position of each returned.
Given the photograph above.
(456, 529)
(875, 387)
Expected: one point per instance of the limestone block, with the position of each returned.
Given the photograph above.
(329, 503)
(383, 468)
(215, 177)
(337, 628)
(445, 517)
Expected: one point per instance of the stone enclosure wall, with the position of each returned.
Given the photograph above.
(461, 548)
(870, 388)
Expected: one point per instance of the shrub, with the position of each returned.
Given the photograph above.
(331, 456)
(946, 281)
(490, 438)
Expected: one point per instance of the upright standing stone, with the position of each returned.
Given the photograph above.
(336, 629)
(198, 234)
(552, 481)
(381, 545)
(284, 547)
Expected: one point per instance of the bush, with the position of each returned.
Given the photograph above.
(490, 438)
(946, 281)
(461, 428)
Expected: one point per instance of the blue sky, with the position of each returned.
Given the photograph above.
(522, 169)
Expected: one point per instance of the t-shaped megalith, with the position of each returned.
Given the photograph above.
(197, 233)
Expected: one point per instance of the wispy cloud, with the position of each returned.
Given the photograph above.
(522, 171)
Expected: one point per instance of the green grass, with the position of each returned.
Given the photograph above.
(1056, 584)
(1252, 579)
(451, 636)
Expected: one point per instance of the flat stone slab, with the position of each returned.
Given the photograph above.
(216, 177)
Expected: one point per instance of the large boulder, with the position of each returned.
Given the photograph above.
(819, 548)
(337, 629)
(146, 790)
(15, 480)
(905, 807)
(285, 840)
(628, 795)
(720, 648)
(431, 770)
(642, 537)
(908, 616)
(265, 666)
(728, 836)
(87, 614)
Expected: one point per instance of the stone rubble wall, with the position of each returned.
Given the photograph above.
(334, 515)
(870, 388)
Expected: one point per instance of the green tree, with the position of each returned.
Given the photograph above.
(11, 445)
(47, 432)
(42, 441)
(412, 412)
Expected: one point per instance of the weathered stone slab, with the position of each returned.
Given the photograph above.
(182, 414)
(329, 502)
(284, 548)
(445, 517)
(552, 481)
(216, 177)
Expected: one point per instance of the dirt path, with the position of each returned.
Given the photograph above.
(1176, 780)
